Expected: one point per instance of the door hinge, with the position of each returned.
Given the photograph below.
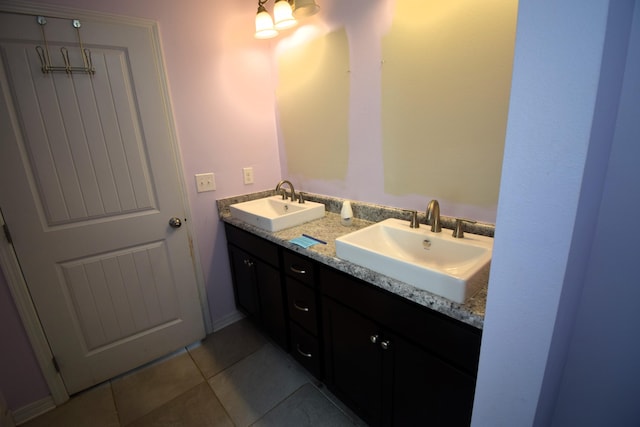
(5, 227)
(55, 364)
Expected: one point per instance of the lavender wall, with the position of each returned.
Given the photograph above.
(595, 176)
(20, 379)
(556, 347)
(600, 383)
(221, 84)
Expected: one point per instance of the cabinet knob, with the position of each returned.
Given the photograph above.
(385, 345)
(248, 263)
(374, 338)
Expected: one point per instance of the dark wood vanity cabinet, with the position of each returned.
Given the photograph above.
(255, 269)
(393, 362)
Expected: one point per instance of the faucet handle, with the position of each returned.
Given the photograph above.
(414, 220)
(300, 197)
(458, 231)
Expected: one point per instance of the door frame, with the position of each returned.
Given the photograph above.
(9, 262)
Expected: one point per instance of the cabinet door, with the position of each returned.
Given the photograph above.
(272, 309)
(244, 281)
(353, 361)
(428, 391)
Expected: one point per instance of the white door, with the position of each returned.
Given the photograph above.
(89, 179)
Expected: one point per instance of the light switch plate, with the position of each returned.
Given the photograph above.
(248, 175)
(205, 182)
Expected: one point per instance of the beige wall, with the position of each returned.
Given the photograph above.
(313, 102)
(445, 92)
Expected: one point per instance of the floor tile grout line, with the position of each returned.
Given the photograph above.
(281, 353)
(317, 384)
(207, 381)
(267, 339)
(324, 390)
(267, 342)
(115, 403)
(171, 401)
(158, 362)
(310, 380)
(278, 404)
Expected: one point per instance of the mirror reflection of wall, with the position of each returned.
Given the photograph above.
(445, 77)
(313, 106)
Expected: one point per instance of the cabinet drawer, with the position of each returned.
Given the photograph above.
(302, 305)
(299, 267)
(253, 244)
(305, 349)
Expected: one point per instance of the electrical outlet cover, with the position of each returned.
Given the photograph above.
(248, 175)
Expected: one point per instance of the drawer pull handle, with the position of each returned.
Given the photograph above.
(297, 270)
(302, 353)
(300, 308)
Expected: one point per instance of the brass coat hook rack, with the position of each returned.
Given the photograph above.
(45, 58)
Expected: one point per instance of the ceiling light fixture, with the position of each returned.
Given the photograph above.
(304, 8)
(284, 16)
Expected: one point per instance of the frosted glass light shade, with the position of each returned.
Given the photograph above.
(304, 8)
(283, 15)
(264, 25)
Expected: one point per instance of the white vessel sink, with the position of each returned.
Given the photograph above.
(274, 214)
(435, 262)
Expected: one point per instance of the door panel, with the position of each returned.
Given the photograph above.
(91, 165)
(106, 310)
(90, 179)
(271, 302)
(244, 279)
(355, 362)
(428, 388)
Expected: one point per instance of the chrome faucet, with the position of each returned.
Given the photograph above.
(433, 216)
(284, 192)
(413, 222)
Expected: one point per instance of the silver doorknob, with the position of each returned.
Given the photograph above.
(175, 222)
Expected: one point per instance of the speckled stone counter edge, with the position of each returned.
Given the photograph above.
(329, 228)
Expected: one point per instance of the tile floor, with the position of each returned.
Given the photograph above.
(235, 377)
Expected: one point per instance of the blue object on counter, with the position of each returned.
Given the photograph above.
(304, 241)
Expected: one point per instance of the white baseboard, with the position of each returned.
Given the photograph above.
(32, 410)
(227, 320)
(219, 324)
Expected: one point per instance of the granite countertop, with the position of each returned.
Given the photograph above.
(328, 229)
